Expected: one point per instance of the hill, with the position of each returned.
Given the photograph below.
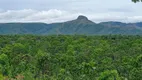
(81, 25)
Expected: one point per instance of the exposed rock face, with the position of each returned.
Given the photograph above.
(81, 17)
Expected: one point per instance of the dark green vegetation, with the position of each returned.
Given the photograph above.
(79, 26)
(137, 1)
(112, 57)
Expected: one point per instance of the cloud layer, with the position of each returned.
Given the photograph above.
(55, 15)
(50, 11)
(29, 15)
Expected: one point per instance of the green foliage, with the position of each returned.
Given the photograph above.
(1, 77)
(66, 57)
(137, 1)
(28, 76)
(109, 75)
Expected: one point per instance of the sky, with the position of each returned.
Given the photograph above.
(51, 11)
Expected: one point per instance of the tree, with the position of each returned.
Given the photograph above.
(137, 1)
(109, 75)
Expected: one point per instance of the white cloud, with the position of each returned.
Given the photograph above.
(55, 15)
(29, 15)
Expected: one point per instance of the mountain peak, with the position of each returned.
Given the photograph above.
(81, 17)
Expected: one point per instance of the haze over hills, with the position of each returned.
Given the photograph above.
(81, 25)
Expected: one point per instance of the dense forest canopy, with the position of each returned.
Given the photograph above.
(111, 57)
(66, 54)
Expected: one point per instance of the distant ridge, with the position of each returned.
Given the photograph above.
(81, 25)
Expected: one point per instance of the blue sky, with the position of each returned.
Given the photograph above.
(51, 11)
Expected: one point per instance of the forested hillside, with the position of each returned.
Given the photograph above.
(81, 26)
(111, 57)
